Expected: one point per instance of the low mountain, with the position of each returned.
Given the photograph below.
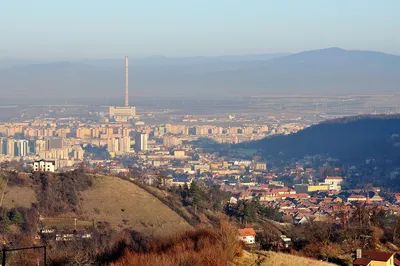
(324, 71)
(350, 139)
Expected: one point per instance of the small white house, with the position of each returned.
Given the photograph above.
(334, 182)
(247, 235)
(44, 165)
(353, 198)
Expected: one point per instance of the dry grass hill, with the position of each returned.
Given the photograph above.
(18, 196)
(269, 258)
(125, 205)
(118, 202)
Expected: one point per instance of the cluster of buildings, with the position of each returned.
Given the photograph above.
(64, 140)
(306, 201)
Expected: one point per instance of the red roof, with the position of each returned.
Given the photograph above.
(357, 197)
(247, 232)
(334, 178)
(298, 195)
(277, 190)
(362, 262)
(377, 255)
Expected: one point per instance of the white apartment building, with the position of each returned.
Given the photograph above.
(141, 142)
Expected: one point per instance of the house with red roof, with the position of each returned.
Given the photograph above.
(247, 235)
(397, 195)
(353, 198)
(374, 258)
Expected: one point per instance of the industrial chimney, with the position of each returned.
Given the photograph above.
(126, 82)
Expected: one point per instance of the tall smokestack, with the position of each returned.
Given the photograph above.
(126, 82)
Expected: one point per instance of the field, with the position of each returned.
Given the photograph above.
(269, 258)
(125, 205)
(65, 223)
(16, 196)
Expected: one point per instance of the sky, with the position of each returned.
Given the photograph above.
(73, 29)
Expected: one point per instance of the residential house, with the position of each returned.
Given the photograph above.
(247, 235)
(44, 165)
(397, 195)
(334, 182)
(353, 198)
(375, 198)
(374, 258)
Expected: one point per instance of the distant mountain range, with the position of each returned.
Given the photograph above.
(326, 71)
(350, 139)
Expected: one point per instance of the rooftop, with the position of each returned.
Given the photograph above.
(376, 255)
(247, 232)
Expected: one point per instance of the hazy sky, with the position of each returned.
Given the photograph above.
(112, 28)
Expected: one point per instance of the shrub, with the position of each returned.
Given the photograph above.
(203, 246)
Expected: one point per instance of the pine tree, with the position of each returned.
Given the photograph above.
(185, 194)
(16, 218)
(195, 194)
(5, 223)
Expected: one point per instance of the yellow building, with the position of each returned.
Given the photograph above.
(310, 188)
(374, 258)
(179, 154)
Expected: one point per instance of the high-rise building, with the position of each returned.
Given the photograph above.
(113, 145)
(21, 148)
(125, 144)
(40, 146)
(3, 146)
(141, 142)
(170, 141)
(54, 143)
(10, 151)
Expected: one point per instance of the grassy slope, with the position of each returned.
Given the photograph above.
(269, 258)
(16, 196)
(125, 205)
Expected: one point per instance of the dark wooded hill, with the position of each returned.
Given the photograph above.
(350, 139)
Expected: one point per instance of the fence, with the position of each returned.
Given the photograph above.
(6, 251)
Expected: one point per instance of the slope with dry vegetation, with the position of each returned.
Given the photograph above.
(125, 205)
(269, 258)
(213, 246)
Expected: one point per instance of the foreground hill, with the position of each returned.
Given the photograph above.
(269, 258)
(59, 198)
(125, 205)
(351, 139)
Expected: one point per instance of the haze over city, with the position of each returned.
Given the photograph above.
(200, 133)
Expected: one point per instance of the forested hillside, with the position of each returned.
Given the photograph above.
(351, 139)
